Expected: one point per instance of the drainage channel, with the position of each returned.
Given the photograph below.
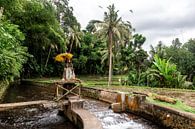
(48, 118)
(111, 120)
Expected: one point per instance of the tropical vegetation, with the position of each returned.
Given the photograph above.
(12, 54)
(34, 32)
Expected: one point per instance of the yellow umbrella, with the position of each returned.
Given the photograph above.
(63, 56)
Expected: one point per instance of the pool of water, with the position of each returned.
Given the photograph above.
(21, 93)
(37, 117)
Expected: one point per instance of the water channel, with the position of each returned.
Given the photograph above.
(47, 117)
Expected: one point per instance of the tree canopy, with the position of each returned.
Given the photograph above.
(12, 54)
(33, 32)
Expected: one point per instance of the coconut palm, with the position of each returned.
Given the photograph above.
(113, 29)
(74, 37)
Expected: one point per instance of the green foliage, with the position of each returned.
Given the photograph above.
(87, 58)
(134, 60)
(74, 37)
(49, 28)
(181, 55)
(164, 74)
(12, 54)
(132, 54)
(43, 35)
(65, 15)
(194, 82)
(113, 30)
(159, 50)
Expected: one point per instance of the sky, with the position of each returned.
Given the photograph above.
(157, 20)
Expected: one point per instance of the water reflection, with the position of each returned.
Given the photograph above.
(23, 93)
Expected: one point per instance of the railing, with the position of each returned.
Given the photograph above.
(67, 88)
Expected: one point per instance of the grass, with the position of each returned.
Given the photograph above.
(179, 105)
(101, 82)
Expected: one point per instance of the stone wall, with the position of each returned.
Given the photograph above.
(167, 117)
(100, 94)
(137, 104)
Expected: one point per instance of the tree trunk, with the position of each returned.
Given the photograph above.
(164, 99)
(48, 57)
(139, 74)
(110, 58)
(70, 49)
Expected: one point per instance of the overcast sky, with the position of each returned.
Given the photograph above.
(157, 20)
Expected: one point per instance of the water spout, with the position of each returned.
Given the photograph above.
(123, 94)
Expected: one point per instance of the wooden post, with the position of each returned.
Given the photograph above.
(57, 91)
(79, 91)
(68, 91)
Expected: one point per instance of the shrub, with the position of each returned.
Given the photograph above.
(12, 54)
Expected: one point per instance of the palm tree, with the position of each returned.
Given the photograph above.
(113, 29)
(74, 37)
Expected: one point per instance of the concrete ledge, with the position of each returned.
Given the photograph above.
(44, 103)
(88, 120)
(83, 119)
(36, 83)
(100, 94)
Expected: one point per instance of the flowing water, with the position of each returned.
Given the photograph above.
(111, 120)
(34, 118)
(40, 117)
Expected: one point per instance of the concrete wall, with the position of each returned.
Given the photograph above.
(99, 94)
(83, 119)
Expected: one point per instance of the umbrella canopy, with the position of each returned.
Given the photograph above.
(63, 56)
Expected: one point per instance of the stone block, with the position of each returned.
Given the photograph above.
(133, 103)
(76, 104)
(116, 107)
(107, 96)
